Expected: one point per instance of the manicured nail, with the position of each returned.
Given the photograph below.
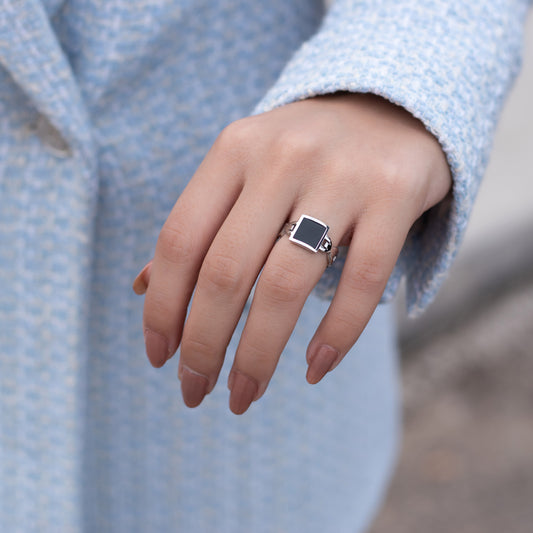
(157, 348)
(321, 363)
(243, 392)
(193, 386)
(140, 284)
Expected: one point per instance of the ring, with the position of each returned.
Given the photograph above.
(312, 234)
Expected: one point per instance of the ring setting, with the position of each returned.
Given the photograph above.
(312, 234)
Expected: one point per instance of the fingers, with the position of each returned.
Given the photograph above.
(227, 271)
(288, 277)
(226, 277)
(360, 154)
(373, 252)
(180, 249)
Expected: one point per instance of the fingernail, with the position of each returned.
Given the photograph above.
(157, 348)
(140, 284)
(321, 363)
(243, 391)
(193, 386)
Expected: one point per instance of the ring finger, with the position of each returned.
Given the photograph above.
(289, 275)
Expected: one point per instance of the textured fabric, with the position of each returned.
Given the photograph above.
(450, 63)
(106, 109)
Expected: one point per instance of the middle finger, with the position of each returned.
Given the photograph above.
(226, 277)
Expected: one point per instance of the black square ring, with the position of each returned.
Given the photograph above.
(309, 232)
(312, 234)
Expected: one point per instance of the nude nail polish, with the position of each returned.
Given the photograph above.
(157, 348)
(243, 392)
(321, 363)
(194, 386)
(140, 284)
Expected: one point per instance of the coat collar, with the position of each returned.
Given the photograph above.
(30, 52)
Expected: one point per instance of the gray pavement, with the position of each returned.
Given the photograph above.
(467, 459)
(505, 201)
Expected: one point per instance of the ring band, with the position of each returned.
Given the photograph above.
(310, 233)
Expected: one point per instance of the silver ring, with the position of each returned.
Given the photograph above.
(310, 233)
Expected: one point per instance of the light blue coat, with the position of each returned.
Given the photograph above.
(106, 109)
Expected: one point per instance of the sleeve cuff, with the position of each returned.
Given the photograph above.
(450, 64)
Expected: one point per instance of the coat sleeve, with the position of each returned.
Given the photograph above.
(451, 64)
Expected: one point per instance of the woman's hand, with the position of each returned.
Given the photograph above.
(362, 165)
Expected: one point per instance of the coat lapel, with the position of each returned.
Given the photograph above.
(32, 55)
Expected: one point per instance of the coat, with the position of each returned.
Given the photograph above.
(106, 109)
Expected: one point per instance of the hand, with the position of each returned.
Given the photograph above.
(362, 165)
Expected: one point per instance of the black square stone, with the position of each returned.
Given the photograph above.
(309, 233)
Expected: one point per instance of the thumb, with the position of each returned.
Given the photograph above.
(142, 280)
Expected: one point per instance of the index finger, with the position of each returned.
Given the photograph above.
(181, 247)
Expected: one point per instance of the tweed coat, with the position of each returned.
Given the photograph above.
(106, 109)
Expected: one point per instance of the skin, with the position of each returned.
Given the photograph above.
(359, 163)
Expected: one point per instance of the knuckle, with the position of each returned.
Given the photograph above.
(258, 353)
(221, 271)
(342, 166)
(282, 285)
(347, 319)
(161, 316)
(389, 176)
(345, 322)
(393, 183)
(202, 351)
(236, 135)
(369, 276)
(157, 308)
(261, 360)
(175, 245)
(294, 146)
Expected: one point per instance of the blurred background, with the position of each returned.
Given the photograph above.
(467, 459)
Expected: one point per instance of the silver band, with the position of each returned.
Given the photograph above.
(311, 233)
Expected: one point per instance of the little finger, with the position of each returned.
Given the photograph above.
(373, 252)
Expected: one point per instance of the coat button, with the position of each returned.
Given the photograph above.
(53, 141)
